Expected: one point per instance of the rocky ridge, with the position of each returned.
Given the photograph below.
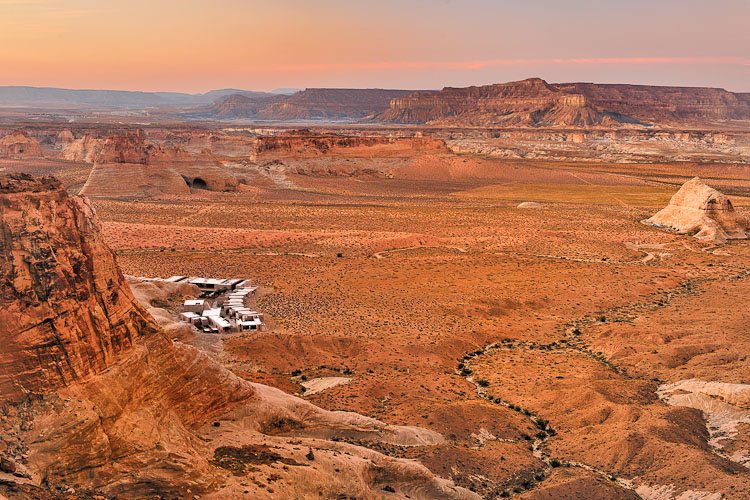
(310, 104)
(536, 103)
(130, 166)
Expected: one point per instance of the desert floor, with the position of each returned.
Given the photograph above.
(526, 336)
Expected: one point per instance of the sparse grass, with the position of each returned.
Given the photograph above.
(639, 196)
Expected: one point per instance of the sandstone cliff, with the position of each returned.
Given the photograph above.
(97, 397)
(320, 154)
(61, 290)
(18, 145)
(130, 166)
(536, 103)
(84, 149)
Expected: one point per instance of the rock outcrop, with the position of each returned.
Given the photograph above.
(61, 290)
(95, 395)
(305, 144)
(84, 149)
(129, 166)
(18, 145)
(536, 103)
(310, 104)
(704, 212)
(319, 154)
(63, 138)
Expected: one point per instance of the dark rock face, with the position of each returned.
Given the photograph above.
(66, 311)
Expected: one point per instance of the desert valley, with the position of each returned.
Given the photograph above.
(523, 290)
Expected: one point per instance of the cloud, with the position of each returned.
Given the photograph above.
(481, 64)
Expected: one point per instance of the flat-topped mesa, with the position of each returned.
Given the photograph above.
(66, 311)
(304, 144)
(532, 102)
(704, 212)
(18, 145)
(536, 103)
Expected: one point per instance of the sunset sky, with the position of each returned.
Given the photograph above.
(195, 45)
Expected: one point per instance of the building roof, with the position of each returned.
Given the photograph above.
(195, 302)
(189, 314)
(218, 320)
(206, 281)
(212, 312)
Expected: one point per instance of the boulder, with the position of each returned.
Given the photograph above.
(703, 212)
(529, 204)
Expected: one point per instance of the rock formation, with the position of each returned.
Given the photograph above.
(321, 154)
(305, 144)
(536, 103)
(18, 145)
(63, 138)
(310, 104)
(529, 204)
(704, 212)
(84, 149)
(130, 166)
(95, 395)
(57, 296)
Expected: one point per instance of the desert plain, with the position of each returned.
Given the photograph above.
(515, 303)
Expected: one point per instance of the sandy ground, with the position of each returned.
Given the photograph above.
(461, 268)
(535, 341)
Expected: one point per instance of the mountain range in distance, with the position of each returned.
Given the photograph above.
(532, 103)
(61, 98)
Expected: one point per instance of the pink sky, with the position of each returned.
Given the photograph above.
(198, 45)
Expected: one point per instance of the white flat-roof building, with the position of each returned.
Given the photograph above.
(219, 323)
(214, 284)
(197, 306)
(211, 312)
(190, 317)
(253, 324)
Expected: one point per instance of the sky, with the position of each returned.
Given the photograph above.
(200, 45)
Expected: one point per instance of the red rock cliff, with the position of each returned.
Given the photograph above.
(66, 311)
(534, 102)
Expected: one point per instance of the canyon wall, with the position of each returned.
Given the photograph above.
(67, 312)
(536, 103)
